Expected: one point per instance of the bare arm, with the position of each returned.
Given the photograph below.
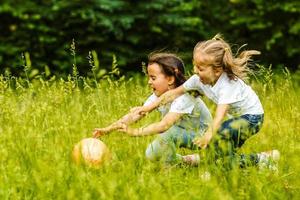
(219, 116)
(221, 112)
(154, 128)
(126, 119)
(165, 98)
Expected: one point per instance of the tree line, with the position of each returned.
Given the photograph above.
(56, 35)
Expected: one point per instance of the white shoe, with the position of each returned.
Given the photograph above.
(193, 159)
(269, 160)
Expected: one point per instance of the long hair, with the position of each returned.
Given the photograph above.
(170, 64)
(217, 53)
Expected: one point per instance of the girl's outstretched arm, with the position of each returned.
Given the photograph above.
(126, 119)
(165, 98)
(155, 128)
(221, 111)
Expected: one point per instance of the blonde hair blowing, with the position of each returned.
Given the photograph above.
(217, 54)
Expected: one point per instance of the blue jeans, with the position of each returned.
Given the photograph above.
(163, 148)
(232, 135)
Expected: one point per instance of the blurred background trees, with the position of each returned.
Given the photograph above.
(44, 30)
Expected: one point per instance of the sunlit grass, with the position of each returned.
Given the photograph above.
(41, 122)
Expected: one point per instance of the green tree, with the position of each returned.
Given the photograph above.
(131, 29)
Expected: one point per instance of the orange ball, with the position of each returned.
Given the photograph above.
(91, 151)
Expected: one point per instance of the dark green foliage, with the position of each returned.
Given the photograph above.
(131, 29)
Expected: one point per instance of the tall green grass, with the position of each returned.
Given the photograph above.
(40, 121)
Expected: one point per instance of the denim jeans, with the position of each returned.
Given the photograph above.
(232, 135)
(163, 148)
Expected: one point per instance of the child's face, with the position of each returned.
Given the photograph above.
(207, 74)
(158, 81)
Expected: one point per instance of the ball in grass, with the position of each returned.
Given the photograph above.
(92, 152)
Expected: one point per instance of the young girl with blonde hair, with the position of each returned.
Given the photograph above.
(220, 76)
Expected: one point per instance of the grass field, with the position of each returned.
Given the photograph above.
(40, 123)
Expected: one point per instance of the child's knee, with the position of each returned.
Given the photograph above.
(150, 154)
(153, 151)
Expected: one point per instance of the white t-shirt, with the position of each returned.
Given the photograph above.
(196, 115)
(240, 97)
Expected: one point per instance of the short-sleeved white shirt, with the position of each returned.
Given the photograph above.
(240, 97)
(196, 115)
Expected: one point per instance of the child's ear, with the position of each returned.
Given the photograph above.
(171, 80)
(218, 71)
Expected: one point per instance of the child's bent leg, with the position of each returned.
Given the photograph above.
(227, 139)
(163, 148)
(232, 135)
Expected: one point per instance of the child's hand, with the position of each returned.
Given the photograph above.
(203, 141)
(98, 132)
(102, 131)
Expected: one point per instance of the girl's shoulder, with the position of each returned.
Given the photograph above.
(185, 103)
(185, 96)
(184, 99)
(150, 99)
(224, 81)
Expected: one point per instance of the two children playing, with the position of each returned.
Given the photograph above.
(186, 121)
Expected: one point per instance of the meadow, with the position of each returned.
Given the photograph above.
(41, 120)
